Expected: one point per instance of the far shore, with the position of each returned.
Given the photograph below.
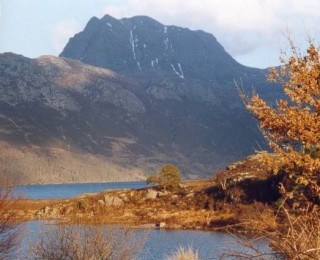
(217, 204)
(67, 183)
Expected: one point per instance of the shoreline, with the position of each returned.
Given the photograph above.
(69, 183)
(97, 182)
(188, 207)
(196, 204)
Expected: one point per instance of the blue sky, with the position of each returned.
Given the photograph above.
(252, 31)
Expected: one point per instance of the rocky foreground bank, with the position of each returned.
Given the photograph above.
(237, 193)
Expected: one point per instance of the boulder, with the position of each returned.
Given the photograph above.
(101, 202)
(234, 166)
(46, 210)
(21, 213)
(182, 186)
(190, 195)
(112, 201)
(55, 212)
(161, 225)
(108, 199)
(161, 194)
(117, 202)
(151, 194)
(123, 195)
(66, 210)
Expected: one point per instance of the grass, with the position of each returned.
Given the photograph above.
(184, 253)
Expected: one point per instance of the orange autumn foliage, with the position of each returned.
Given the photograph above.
(292, 126)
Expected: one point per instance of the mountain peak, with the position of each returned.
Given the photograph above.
(140, 19)
(142, 45)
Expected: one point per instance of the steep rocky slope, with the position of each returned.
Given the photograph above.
(141, 45)
(145, 48)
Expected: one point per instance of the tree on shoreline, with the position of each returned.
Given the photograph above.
(169, 176)
(292, 126)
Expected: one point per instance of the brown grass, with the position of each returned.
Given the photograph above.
(183, 253)
(296, 238)
(10, 228)
(176, 209)
(300, 238)
(87, 242)
(257, 217)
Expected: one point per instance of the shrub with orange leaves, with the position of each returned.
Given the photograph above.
(292, 125)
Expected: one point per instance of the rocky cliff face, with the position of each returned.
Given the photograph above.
(169, 98)
(141, 45)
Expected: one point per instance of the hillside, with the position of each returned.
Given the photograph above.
(155, 99)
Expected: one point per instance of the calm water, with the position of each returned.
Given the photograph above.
(57, 191)
(160, 243)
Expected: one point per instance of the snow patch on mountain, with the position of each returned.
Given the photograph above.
(132, 45)
(179, 73)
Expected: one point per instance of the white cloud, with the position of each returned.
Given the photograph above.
(246, 28)
(61, 32)
(240, 25)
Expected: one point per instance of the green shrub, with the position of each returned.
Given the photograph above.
(169, 176)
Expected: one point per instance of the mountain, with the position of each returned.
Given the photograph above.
(124, 97)
(155, 53)
(59, 118)
(141, 45)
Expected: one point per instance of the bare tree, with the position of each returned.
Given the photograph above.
(222, 179)
(10, 227)
(81, 242)
(298, 237)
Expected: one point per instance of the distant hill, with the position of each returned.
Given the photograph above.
(125, 97)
